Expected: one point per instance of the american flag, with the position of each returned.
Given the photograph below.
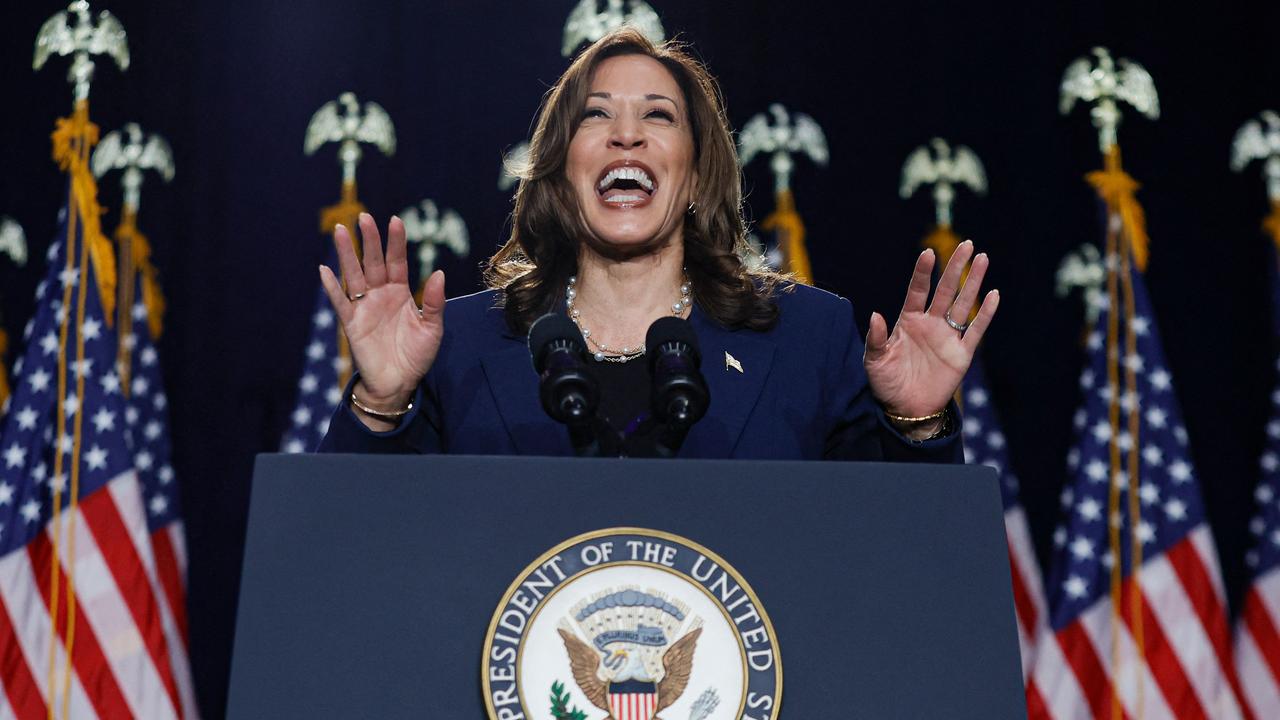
(83, 618)
(1155, 644)
(147, 433)
(323, 376)
(1258, 627)
(984, 444)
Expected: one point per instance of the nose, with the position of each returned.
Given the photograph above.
(627, 134)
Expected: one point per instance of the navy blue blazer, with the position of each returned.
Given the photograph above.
(801, 393)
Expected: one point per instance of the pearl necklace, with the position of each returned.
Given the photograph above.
(603, 353)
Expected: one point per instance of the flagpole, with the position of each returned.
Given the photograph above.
(352, 128)
(129, 151)
(780, 141)
(72, 140)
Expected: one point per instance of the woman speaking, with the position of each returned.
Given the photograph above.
(630, 211)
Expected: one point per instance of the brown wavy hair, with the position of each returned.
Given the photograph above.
(533, 266)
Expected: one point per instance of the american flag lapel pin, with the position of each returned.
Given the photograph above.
(731, 362)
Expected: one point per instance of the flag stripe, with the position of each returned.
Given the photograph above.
(106, 609)
(1194, 580)
(170, 577)
(1131, 678)
(174, 633)
(126, 493)
(32, 627)
(1079, 653)
(1036, 708)
(1018, 535)
(1025, 610)
(1259, 676)
(1202, 543)
(121, 557)
(1162, 659)
(1054, 684)
(25, 700)
(179, 543)
(1261, 627)
(88, 660)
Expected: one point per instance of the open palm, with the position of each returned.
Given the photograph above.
(915, 370)
(393, 341)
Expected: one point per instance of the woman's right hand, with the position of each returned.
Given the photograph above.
(393, 341)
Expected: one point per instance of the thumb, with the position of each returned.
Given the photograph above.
(877, 336)
(433, 296)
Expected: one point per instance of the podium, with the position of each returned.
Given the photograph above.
(373, 585)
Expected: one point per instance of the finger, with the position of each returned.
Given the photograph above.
(973, 335)
(375, 269)
(337, 298)
(877, 336)
(397, 265)
(950, 282)
(433, 297)
(969, 293)
(921, 279)
(352, 274)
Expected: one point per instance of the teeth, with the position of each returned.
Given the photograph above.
(627, 173)
(619, 199)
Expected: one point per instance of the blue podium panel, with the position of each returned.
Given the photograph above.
(370, 582)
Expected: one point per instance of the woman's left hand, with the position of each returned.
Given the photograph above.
(915, 370)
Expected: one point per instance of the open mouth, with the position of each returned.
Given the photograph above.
(626, 183)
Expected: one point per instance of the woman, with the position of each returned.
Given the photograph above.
(631, 211)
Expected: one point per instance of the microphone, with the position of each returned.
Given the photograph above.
(678, 395)
(569, 393)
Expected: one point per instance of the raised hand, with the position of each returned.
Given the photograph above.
(393, 341)
(915, 370)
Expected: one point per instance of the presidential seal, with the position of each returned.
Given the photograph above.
(631, 624)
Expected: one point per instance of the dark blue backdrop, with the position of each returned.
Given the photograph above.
(233, 83)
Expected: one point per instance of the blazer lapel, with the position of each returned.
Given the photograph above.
(736, 366)
(515, 391)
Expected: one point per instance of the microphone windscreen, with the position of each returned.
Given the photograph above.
(548, 329)
(670, 329)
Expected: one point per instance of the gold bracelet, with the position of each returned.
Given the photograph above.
(915, 420)
(378, 414)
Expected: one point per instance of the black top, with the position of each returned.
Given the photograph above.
(624, 404)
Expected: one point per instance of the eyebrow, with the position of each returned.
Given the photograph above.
(650, 96)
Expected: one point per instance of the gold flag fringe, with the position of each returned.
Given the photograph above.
(345, 212)
(1117, 188)
(72, 139)
(943, 241)
(127, 234)
(785, 221)
(135, 266)
(1272, 223)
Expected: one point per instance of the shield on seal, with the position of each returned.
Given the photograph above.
(633, 700)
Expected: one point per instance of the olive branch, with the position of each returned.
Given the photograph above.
(560, 709)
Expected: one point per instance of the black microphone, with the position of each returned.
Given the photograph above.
(678, 395)
(569, 393)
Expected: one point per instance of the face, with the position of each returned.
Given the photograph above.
(631, 160)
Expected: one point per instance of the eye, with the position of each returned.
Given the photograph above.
(661, 114)
(594, 112)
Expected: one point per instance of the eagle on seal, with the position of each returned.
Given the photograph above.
(677, 664)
